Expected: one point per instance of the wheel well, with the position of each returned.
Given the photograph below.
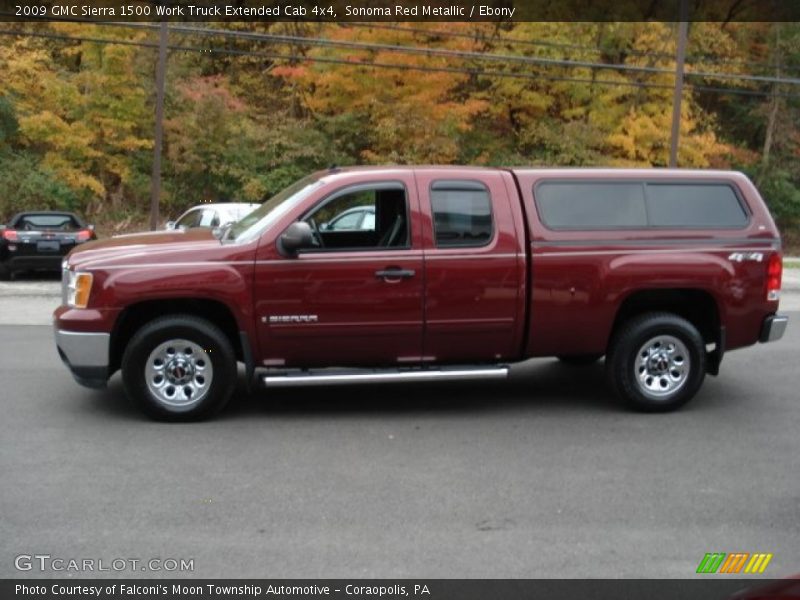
(696, 306)
(136, 315)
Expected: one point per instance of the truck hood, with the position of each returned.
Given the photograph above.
(144, 248)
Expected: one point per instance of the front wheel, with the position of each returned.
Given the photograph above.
(656, 362)
(179, 368)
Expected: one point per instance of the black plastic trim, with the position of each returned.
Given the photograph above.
(247, 356)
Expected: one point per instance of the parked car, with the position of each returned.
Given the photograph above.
(352, 219)
(466, 272)
(39, 240)
(212, 215)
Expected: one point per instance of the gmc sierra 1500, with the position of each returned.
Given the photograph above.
(458, 273)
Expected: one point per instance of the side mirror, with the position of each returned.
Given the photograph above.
(296, 237)
(170, 225)
(324, 227)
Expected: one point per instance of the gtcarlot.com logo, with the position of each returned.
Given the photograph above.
(46, 562)
(736, 562)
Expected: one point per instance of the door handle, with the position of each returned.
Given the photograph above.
(395, 273)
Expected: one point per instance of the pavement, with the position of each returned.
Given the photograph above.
(29, 301)
(544, 475)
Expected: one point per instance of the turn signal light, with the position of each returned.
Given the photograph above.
(78, 290)
(774, 274)
(84, 235)
(10, 235)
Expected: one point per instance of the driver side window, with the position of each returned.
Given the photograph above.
(363, 217)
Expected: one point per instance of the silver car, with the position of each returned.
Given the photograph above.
(212, 215)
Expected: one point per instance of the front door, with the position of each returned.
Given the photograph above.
(355, 298)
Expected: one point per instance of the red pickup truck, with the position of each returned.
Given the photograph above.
(428, 273)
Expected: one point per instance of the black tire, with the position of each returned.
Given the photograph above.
(644, 373)
(580, 360)
(206, 364)
(4, 272)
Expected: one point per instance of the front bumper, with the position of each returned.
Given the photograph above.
(773, 328)
(86, 355)
(34, 262)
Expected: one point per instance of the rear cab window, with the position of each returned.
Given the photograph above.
(462, 213)
(697, 205)
(580, 205)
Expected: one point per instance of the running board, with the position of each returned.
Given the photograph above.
(297, 380)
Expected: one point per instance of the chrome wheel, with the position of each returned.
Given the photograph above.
(662, 366)
(179, 373)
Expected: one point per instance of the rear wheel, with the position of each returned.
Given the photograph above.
(179, 368)
(656, 362)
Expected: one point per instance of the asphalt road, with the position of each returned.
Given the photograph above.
(540, 476)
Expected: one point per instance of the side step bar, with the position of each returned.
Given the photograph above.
(354, 377)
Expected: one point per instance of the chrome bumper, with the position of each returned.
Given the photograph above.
(773, 328)
(86, 355)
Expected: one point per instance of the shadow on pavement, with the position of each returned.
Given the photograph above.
(540, 385)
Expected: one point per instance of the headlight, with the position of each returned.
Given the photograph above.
(78, 288)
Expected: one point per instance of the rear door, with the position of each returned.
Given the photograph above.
(474, 267)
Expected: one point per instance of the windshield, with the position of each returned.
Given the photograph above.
(45, 221)
(260, 219)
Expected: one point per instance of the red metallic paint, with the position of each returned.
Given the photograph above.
(530, 292)
(362, 319)
(578, 287)
(472, 295)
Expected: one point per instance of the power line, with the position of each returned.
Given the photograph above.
(441, 52)
(505, 58)
(293, 39)
(339, 61)
(548, 44)
(381, 65)
(518, 41)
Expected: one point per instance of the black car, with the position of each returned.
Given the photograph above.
(40, 240)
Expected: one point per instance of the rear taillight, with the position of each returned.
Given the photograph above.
(10, 235)
(84, 235)
(774, 273)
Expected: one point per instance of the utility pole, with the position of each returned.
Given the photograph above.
(680, 60)
(155, 189)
